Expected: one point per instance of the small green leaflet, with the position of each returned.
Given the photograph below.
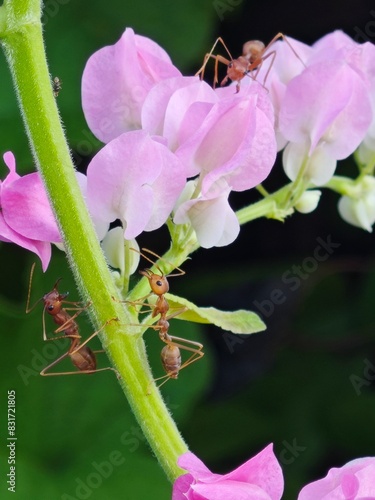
(241, 321)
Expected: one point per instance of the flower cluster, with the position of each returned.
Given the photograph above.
(161, 129)
(175, 148)
(325, 103)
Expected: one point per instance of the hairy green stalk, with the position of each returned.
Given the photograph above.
(21, 39)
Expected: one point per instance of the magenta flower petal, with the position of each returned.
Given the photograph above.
(259, 478)
(230, 490)
(116, 81)
(353, 481)
(135, 179)
(27, 210)
(41, 248)
(10, 162)
(193, 464)
(26, 218)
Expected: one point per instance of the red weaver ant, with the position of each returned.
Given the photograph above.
(81, 356)
(170, 354)
(254, 53)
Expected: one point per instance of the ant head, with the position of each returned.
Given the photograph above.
(158, 283)
(53, 300)
(237, 69)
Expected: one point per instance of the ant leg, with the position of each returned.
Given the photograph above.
(285, 39)
(78, 372)
(93, 335)
(210, 55)
(180, 273)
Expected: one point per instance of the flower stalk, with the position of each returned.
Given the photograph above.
(21, 39)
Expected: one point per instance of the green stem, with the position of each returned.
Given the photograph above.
(21, 38)
(272, 207)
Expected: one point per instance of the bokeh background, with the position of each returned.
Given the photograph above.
(306, 384)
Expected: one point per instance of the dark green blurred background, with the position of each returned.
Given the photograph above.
(306, 384)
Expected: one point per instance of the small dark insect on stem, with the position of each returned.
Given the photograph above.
(56, 86)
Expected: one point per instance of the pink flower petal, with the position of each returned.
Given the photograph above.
(169, 101)
(211, 216)
(27, 210)
(41, 248)
(259, 478)
(263, 470)
(320, 166)
(315, 108)
(229, 490)
(135, 179)
(10, 162)
(355, 480)
(116, 81)
(235, 140)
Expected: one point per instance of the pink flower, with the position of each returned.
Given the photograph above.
(232, 149)
(353, 481)
(324, 108)
(116, 81)
(260, 478)
(134, 178)
(26, 217)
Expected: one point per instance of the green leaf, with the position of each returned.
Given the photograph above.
(241, 321)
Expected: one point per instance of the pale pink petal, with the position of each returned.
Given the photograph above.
(101, 227)
(253, 160)
(319, 167)
(335, 45)
(236, 140)
(180, 102)
(116, 81)
(168, 102)
(212, 218)
(315, 108)
(135, 179)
